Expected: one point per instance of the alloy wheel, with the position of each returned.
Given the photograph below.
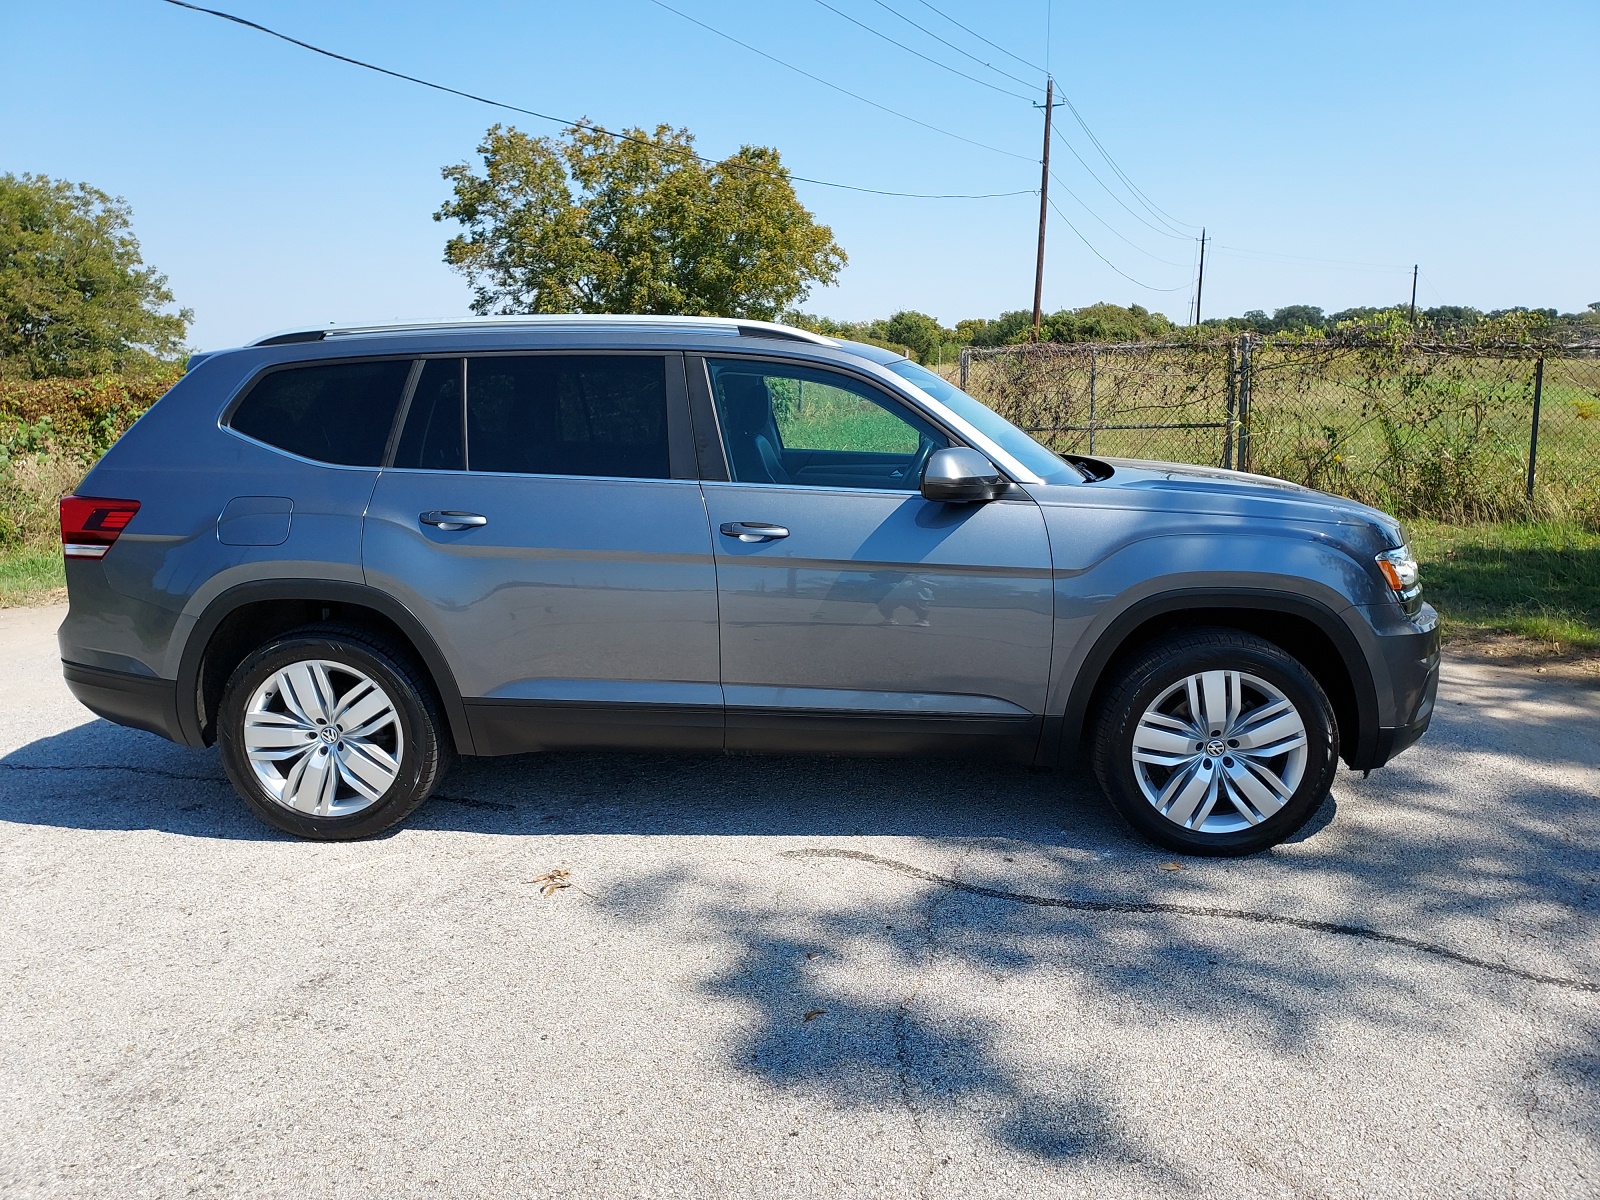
(1219, 751)
(323, 738)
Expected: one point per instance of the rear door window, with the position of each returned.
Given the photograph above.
(338, 412)
(540, 414)
(435, 436)
(568, 414)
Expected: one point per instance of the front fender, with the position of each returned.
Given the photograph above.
(1099, 608)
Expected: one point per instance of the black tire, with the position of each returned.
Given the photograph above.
(425, 751)
(1166, 664)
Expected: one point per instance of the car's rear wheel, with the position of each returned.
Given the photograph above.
(331, 733)
(1216, 742)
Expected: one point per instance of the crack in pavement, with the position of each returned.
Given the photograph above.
(1251, 916)
(112, 767)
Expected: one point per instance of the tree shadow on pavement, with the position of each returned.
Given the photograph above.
(933, 971)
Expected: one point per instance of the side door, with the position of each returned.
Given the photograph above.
(541, 517)
(856, 616)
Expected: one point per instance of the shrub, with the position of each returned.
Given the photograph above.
(51, 432)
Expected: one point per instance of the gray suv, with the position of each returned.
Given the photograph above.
(347, 556)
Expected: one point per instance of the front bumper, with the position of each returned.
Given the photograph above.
(1393, 740)
(1408, 681)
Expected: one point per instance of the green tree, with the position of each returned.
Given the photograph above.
(75, 295)
(1102, 323)
(919, 332)
(594, 223)
(1296, 318)
(1008, 327)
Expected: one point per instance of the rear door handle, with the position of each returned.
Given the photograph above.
(753, 531)
(449, 519)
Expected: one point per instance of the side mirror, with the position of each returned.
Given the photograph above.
(956, 475)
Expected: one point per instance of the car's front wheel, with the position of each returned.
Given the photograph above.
(331, 733)
(1216, 742)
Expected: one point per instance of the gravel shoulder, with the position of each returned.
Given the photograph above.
(789, 977)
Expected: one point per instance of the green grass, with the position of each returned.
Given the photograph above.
(827, 418)
(30, 576)
(1539, 581)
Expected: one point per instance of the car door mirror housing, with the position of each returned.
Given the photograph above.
(957, 475)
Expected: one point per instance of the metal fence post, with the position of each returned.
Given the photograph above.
(1243, 436)
(966, 360)
(1533, 433)
(1093, 372)
(1229, 429)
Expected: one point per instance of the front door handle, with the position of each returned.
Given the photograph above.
(449, 519)
(753, 531)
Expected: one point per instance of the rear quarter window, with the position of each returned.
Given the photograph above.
(337, 413)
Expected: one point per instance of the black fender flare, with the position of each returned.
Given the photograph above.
(328, 592)
(1116, 634)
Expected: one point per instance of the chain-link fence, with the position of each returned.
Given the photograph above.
(1480, 433)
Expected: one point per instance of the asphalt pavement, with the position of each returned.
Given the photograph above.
(618, 976)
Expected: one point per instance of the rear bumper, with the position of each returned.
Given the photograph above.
(137, 701)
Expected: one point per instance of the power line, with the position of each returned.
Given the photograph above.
(1107, 261)
(1114, 230)
(1155, 228)
(1431, 288)
(836, 87)
(976, 34)
(1155, 211)
(1049, 16)
(925, 58)
(1174, 226)
(621, 137)
(953, 46)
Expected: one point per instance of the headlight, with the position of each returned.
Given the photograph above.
(1400, 569)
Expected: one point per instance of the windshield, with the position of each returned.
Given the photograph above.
(992, 425)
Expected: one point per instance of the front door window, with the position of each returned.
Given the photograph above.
(815, 428)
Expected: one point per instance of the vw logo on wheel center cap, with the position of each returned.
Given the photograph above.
(329, 734)
(1215, 748)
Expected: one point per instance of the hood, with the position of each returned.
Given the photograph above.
(1214, 490)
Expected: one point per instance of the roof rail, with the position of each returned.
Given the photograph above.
(285, 339)
(730, 326)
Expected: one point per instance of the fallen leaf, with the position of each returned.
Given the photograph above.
(811, 1014)
(552, 881)
(1172, 866)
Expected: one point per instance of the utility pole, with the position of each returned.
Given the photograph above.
(1200, 286)
(1414, 267)
(1044, 206)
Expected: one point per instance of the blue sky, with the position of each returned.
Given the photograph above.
(276, 188)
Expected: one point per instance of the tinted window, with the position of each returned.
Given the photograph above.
(332, 412)
(432, 439)
(560, 414)
(799, 425)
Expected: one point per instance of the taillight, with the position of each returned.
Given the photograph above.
(89, 524)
